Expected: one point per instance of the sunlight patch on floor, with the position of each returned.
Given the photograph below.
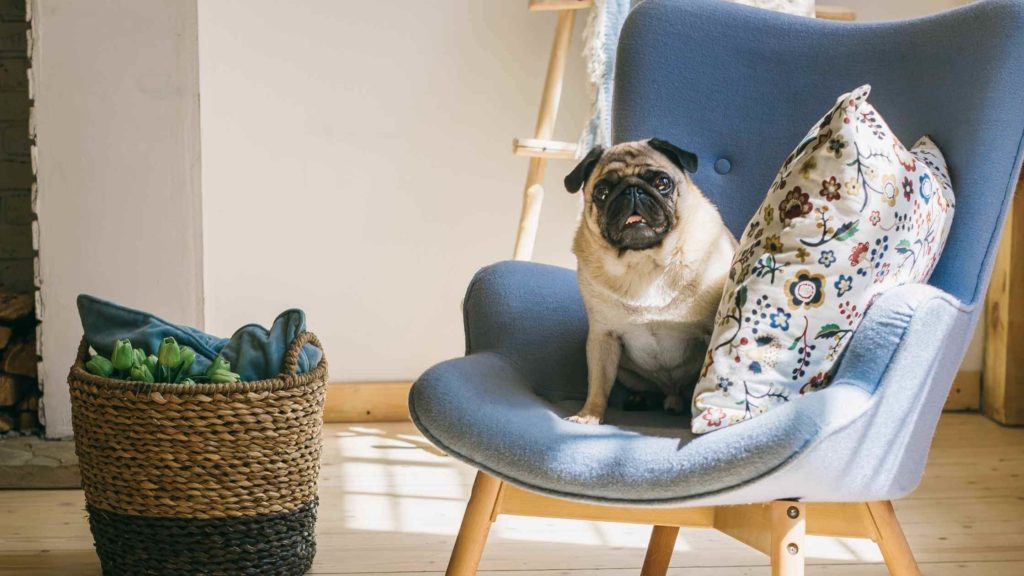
(391, 504)
(854, 549)
(573, 532)
(396, 482)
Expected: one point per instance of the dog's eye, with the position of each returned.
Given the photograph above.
(663, 183)
(600, 192)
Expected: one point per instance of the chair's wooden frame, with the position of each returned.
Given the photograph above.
(775, 528)
(1003, 381)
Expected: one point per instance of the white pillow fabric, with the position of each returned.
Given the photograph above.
(851, 213)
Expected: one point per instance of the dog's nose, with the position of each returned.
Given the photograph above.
(635, 191)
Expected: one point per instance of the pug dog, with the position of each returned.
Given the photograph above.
(653, 257)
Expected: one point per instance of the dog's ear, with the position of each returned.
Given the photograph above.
(579, 175)
(686, 161)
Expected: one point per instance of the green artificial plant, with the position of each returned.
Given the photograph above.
(171, 364)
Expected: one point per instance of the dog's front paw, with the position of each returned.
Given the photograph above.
(673, 404)
(582, 418)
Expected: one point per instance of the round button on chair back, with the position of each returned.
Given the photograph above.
(723, 166)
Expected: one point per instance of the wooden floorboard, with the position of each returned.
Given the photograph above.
(391, 504)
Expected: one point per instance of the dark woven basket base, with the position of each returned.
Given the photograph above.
(272, 545)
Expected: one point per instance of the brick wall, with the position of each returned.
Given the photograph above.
(16, 216)
(19, 388)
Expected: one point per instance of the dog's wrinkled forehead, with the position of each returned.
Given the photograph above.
(630, 159)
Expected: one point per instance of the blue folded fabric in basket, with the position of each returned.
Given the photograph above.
(255, 353)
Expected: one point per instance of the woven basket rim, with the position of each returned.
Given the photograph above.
(280, 382)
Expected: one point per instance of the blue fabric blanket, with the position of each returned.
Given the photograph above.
(255, 353)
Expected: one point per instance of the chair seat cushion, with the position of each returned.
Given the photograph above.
(482, 410)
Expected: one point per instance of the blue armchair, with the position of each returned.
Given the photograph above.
(739, 86)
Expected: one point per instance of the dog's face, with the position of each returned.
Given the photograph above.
(632, 191)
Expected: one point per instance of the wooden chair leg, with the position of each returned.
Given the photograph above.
(659, 550)
(891, 540)
(476, 524)
(788, 528)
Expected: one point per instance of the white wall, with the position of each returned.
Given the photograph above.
(357, 163)
(117, 121)
(876, 10)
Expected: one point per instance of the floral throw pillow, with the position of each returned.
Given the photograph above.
(851, 213)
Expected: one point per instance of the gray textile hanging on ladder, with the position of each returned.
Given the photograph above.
(602, 39)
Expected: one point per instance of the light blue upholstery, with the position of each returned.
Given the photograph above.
(732, 82)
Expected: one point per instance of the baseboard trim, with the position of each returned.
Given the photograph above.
(367, 402)
(388, 401)
(965, 393)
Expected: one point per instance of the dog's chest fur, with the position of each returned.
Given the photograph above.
(660, 330)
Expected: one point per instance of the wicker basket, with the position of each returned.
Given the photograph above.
(196, 479)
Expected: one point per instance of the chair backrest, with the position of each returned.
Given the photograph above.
(742, 84)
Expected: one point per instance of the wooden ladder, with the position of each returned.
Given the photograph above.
(541, 148)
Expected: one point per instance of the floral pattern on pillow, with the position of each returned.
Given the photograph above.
(851, 213)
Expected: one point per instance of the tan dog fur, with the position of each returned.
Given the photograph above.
(650, 311)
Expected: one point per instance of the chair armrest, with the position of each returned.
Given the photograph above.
(904, 357)
(904, 326)
(532, 315)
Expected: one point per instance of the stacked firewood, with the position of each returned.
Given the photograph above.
(19, 390)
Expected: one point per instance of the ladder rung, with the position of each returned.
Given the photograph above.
(543, 148)
(826, 12)
(560, 4)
